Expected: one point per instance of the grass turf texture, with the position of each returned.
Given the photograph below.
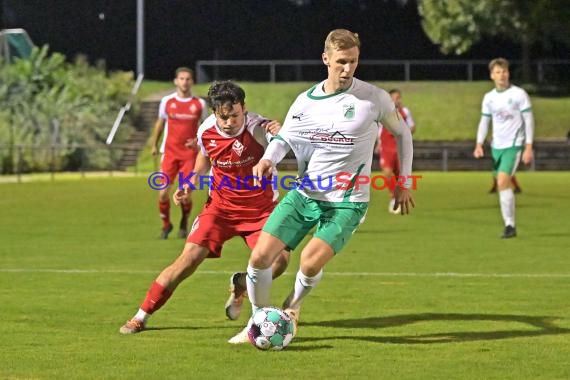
(441, 110)
(381, 310)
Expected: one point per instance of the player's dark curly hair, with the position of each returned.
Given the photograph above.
(224, 94)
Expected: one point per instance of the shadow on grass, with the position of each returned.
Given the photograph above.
(543, 326)
(164, 328)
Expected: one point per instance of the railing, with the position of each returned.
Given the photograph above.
(20, 160)
(396, 70)
(104, 159)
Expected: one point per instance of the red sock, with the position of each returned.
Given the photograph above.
(186, 210)
(164, 208)
(156, 297)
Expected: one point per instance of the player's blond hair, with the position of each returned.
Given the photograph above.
(501, 62)
(184, 69)
(341, 39)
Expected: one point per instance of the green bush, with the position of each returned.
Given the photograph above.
(44, 94)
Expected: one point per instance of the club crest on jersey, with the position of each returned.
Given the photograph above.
(238, 147)
(348, 111)
(193, 108)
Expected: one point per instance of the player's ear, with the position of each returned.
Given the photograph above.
(326, 59)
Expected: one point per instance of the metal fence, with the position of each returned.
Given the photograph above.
(387, 70)
(51, 161)
(20, 160)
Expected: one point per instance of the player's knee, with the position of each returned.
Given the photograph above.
(164, 195)
(503, 181)
(261, 259)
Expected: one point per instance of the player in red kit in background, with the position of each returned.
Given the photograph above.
(179, 116)
(230, 143)
(387, 148)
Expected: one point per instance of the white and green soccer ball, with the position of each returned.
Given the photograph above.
(270, 328)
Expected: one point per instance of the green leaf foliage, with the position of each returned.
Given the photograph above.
(46, 101)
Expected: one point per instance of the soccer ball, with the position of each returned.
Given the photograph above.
(270, 328)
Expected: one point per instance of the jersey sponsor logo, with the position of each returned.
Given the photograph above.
(238, 147)
(336, 138)
(348, 111)
(504, 115)
(229, 163)
(181, 116)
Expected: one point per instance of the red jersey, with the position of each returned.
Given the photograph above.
(387, 140)
(233, 159)
(183, 116)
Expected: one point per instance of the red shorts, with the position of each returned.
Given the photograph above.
(172, 166)
(389, 160)
(214, 226)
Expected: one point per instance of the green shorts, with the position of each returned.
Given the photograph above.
(296, 214)
(506, 160)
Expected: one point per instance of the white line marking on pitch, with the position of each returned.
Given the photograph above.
(364, 274)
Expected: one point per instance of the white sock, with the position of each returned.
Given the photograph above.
(259, 286)
(142, 315)
(507, 199)
(303, 285)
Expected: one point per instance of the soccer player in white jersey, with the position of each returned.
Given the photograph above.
(513, 127)
(332, 129)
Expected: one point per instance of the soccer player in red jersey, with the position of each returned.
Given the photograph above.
(387, 148)
(230, 142)
(179, 116)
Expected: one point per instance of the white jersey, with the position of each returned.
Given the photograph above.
(333, 137)
(506, 108)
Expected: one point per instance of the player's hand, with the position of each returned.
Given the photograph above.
(272, 126)
(264, 168)
(154, 150)
(404, 199)
(478, 152)
(528, 155)
(191, 143)
(181, 194)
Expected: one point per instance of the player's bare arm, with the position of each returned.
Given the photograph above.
(478, 152)
(191, 143)
(157, 132)
(201, 167)
(528, 154)
(272, 126)
(264, 168)
(403, 136)
(482, 130)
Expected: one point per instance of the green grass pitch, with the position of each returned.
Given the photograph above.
(432, 295)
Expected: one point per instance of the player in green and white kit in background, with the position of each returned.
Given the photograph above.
(513, 127)
(332, 129)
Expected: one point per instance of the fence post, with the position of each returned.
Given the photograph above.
(444, 160)
(111, 162)
(272, 72)
(540, 72)
(470, 71)
(407, 71)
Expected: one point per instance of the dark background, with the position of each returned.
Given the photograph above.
(179, 32)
